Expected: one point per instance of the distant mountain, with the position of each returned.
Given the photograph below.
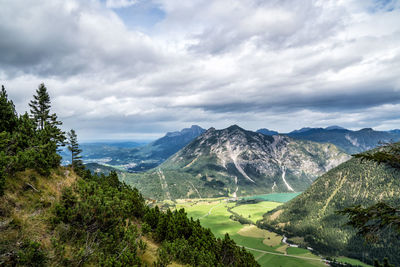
(136, 157)
(267, 132)
(335, 127)
(311, 215)
(100, 152)
(350, 141)
(155, 153)
(233, 162)
(395, 131)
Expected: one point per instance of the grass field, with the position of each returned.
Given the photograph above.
(254, 212)
(264, 245)
(214, 215)
(352, 261)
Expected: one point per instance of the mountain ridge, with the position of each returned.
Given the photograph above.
(234, 161)
(351, 142)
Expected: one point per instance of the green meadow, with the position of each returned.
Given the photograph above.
(267, 247)
(214, 214)
(255, 212)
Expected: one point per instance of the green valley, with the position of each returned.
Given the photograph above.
(266, 246)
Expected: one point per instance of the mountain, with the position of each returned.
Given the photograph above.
(153, 154)
(236, 162)
(267, 132)
(335, 127)
(350, 141)
(100, 152)
(136, 157)
(311, 215)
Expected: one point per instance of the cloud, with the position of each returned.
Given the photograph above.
(66, 38)
(120, 3)
(275, 64)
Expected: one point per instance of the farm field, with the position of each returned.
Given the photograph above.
(267, 247)
(264, 245)
(254, 212)
(352, 261)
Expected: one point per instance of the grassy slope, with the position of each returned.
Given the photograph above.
(26, 207)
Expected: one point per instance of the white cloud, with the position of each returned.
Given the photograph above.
(120, 3)
(275, 64)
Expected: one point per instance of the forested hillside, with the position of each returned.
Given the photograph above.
(65, 216)
(313, 214)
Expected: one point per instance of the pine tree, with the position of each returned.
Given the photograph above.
(8, 115)
(41, 106)
(46, 122)
(73, 146)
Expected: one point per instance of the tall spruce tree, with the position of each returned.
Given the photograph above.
(73, 146)
(46, 122)
(8, 115)
(40, 106)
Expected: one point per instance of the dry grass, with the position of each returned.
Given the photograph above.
(272, 239)
(282, 249)
(252, 231)
(150, 255)
(275, 215)
(26, 204)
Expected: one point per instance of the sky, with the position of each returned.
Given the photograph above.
(135, 69)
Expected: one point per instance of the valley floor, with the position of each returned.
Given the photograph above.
(267, 247)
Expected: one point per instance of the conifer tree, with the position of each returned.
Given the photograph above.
(8, 115)
(73, 146)
(47, 123)
(40, 106)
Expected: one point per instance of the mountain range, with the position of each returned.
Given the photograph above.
(133, 156)
(349, 141)
(235, 162)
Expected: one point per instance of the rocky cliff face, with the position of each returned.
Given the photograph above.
(237, 162)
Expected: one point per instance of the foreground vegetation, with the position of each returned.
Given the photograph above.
(55, 216)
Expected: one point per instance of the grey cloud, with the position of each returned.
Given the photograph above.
(272, 25)
(275, 64)
(58, 38)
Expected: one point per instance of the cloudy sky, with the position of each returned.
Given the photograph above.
(134, 69)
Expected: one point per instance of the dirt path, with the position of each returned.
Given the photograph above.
(195, 189)
(164, 185)
(209, 212)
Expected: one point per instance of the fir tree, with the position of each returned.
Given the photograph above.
(40, 106)
(8, 115)
(46, 122)
(73, 146)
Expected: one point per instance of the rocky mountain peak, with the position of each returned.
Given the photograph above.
(251, 162)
